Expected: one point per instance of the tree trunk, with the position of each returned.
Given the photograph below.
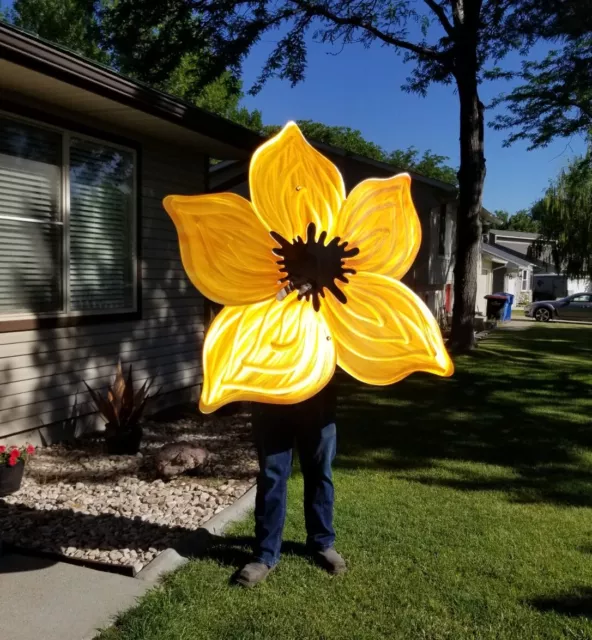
(471, 176)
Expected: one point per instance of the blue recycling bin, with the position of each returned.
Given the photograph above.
(506, 313)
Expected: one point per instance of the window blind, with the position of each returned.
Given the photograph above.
(100, 227)
(31, 226)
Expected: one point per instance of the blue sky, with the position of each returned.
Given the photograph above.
(361, 88)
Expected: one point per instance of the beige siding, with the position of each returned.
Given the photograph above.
(42, 371)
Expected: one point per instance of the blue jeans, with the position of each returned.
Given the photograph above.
(316, 444)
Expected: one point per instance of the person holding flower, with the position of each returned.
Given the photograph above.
(310, 280)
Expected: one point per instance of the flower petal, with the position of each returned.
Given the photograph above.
(379, 219)
(384, 332)
(293, 185)
(225, 250)
(275, 352)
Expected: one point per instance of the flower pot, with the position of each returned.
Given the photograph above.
(124, 443)
(11, 478)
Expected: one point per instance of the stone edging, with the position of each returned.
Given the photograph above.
(170, 559)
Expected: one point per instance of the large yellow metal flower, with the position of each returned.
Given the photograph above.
(344, 257)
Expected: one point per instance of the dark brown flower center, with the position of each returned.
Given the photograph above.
(312, 266)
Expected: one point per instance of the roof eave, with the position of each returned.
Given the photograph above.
(493, 251)
(38, 55)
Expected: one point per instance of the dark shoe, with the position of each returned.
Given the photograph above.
(331, 561)
(252, 574)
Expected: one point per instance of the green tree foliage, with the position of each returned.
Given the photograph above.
(555, 99)
(565, 218)
(428, 164)
(501, 218)
(72, 23)
(522, 220)
(90, 28)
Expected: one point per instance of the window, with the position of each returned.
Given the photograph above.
(525, 280)
(584, 299)
(442, 231)
(67, 223)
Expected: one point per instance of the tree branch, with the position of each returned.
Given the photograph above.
(357, 21)
(441, 15)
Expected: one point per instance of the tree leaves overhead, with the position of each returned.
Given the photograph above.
(555, 96)
(520, 221)
(555, 99)
(565, 218)
(427, 164)
(72, 23)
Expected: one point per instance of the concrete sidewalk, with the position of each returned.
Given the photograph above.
(42, 599)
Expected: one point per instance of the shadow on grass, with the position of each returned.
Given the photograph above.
(234, 551)
(521, 401)
(575, 603)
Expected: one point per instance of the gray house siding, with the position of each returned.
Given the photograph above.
(42, 371)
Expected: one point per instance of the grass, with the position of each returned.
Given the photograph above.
(463, 509)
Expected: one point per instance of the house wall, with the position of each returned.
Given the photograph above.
(520, 246)
(42, 371)
(524, 247)
(440, 265)
(494, 277)
(513, 284)
(522, 297)
(484, 283)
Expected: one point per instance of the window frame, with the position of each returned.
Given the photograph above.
(581, 295)
(68, 130)
(524, 278)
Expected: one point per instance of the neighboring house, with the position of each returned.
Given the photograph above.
(518, 242)
(502, 271)
(546, 282)
(431, 275)
(90, 271)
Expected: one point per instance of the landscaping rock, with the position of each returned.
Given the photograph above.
(179, 457)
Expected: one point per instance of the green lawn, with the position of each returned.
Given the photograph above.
(463, 509)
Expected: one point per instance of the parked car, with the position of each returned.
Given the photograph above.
(575, 307)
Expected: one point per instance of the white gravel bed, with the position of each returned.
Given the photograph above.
(77, 501)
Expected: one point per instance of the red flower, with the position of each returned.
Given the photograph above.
(12, 460)
(2, 448)
(30, 449)
(15, 453)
